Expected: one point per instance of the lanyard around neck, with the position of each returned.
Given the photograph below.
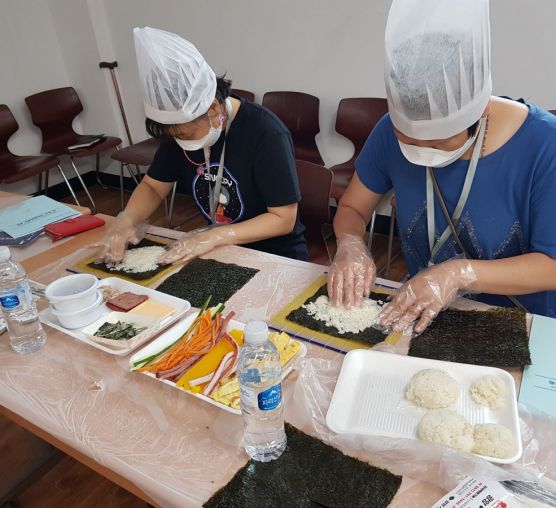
(435, 247)
(214, 193)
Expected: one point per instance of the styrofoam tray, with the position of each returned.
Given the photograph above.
(369, 397)
(174, 333)
(180, 306)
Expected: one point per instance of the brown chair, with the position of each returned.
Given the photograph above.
(355, 120)
(139, 154)
(315, 182)
(15, 168)
(300, 113)
(53, 112)
(246, 94)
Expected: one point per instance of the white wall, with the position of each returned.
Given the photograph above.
(331, 50)
(31, 61)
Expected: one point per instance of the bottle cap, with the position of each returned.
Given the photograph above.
(5, 254)
(256, 332)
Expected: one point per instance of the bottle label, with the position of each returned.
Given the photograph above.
(9, 302)
(271, 398)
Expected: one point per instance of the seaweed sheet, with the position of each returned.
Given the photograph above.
(495, 337)
(131, 275)
(203, 277)
(309, 473)
(301, 317)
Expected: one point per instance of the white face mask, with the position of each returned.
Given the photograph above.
(432, 157)
(207, 140)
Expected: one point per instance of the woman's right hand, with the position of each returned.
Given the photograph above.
(352, 273)
(120, 233)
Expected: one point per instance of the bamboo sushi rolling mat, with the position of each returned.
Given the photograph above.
(280, 322)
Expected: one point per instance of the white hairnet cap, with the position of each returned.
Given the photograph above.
(437, 66)
(178, 85)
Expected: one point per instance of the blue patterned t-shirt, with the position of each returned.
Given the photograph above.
(511, 209)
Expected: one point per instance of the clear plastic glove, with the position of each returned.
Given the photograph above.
(120, 233)
(195, 245)
(426, 294)
(352, 273)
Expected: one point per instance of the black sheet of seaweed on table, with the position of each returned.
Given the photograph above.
(201, 278)
(301, 317)
(496, 337)
(133, 275)
(309, 473)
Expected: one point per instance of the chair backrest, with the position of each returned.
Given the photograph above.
(53, 112)
(8, 125)
(299, 111)
(357, 117)
(246, 94)
(315, 183)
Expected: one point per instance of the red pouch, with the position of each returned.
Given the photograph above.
(69, 227)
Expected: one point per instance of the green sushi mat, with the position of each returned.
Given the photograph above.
(309, 474)
(201, 278)
(496, 337)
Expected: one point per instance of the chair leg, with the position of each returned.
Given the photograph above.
(134, 177)
(122, 187)
(172, 199)
(97, 171)
(94, 206)
(68, 184)
(371, 232)
(47, 173)
(39, 184)
(390, 241)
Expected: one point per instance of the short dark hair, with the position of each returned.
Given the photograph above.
(160, 130)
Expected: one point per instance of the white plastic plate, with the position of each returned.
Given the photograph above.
(180, 306)
(174, 333)
(369, 397)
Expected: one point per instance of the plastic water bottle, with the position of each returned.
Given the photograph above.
(260, 382)
(18, 308)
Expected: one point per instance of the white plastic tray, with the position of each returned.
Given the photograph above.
(171, 335)
(180, 306)
(369, 397)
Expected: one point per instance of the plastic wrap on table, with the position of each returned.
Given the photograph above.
(175, 448)
(432, 463)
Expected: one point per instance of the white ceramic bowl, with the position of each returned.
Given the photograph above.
(83, 317)
(72, 293)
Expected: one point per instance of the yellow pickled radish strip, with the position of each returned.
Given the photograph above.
(209, 362)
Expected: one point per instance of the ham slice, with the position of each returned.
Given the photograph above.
(126, 301)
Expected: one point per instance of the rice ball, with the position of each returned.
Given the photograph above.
(488, 391)
(493, 440)
(448, 428)
(432, 389)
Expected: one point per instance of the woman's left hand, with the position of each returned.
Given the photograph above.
(195, 245)
(426, 294)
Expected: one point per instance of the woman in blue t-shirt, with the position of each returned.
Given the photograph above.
(235, 156)
(449, 149)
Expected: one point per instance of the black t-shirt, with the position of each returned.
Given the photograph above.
(259, 172)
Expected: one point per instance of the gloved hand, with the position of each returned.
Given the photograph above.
(194, 245)
(426, 294)
(352, 273)
(118, 235)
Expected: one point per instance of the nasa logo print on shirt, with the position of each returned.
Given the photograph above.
(230, 206)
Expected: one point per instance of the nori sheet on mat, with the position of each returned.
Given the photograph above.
(301, 317)
(203, 277)
(309, 473)
(136, 276)
(495, 337)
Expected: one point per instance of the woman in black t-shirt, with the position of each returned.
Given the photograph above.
(236, 158)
